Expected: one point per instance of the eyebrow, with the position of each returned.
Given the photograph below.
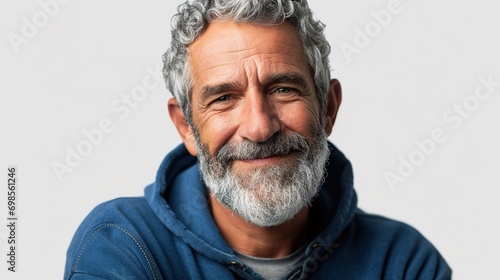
(293, 78)
(208, 91)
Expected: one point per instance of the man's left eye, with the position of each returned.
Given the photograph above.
(282, 90)
(223, 98)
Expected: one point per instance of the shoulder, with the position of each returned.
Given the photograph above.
(394, 249)
(384, 227)
(110, 241)
(127, 213)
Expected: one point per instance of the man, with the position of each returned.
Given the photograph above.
(256, 191)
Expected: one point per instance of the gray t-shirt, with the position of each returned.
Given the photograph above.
(273, 268)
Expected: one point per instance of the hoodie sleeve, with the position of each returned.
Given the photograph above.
(374, 247)
(403, 252)
(417, 257)
(108, 250)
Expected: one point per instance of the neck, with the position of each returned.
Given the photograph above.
(269, 242)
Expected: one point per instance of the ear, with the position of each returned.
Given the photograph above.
(334, 99)
(184, 129)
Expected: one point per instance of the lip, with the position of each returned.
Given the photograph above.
(261, 162)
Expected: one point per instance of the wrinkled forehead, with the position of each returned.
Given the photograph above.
(229, 45)
(232, 36)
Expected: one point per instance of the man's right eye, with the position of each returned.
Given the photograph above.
(221, 100)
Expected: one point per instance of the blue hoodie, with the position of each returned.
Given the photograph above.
(170, 234)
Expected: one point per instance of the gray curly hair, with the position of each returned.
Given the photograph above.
(194, 15)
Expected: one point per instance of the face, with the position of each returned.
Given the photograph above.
(250, 82)
(258, 133)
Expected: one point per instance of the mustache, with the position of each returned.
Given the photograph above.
(277, 145)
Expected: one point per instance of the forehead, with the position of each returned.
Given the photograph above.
(226, 48)
(233, 36)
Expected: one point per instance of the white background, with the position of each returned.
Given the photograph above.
(396, 89)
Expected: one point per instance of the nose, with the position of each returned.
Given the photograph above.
(258, 120)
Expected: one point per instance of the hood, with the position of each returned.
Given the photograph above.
(180, 200)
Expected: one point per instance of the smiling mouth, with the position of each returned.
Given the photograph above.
(267, 160)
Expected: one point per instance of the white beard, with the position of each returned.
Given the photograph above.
(271, 195)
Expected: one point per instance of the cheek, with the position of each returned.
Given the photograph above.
(301, 118)
(216, 131)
